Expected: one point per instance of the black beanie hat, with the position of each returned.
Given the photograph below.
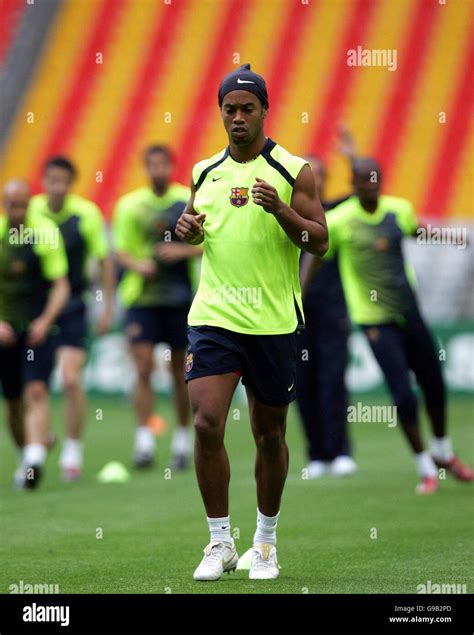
(244, 79)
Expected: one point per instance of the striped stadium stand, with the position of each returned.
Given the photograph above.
(113, 75)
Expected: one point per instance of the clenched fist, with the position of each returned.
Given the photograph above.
(189, 228)
(266, 196)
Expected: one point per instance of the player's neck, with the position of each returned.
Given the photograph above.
(160, 190)
(247, 153)
(56, 206)
(370, 206)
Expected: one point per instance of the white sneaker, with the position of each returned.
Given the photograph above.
(316, 469)
(71, 472)
(264, 563)
(70, 460)
(144, 450)
(218, 558)
(19, 477)
(343, 466)
(143, 460)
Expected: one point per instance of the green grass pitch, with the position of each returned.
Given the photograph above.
(154, 528)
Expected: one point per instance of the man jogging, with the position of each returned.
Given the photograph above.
(366, 231)
(254, 206)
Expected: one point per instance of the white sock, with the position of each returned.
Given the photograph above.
(220, 529)
(34, 454)
(266, 529)
(180, 443)
(425, 464)
(442, 449)
(144, 439)
(71, 454)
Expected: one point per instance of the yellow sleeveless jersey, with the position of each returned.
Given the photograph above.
(250, 269)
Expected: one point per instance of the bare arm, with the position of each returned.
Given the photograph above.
(108, 284)
(310, 266)
(146, 268)
(347, 146)
(174, 251)
(57, 298)
(7, 334)
(304, 222)
(189, 226)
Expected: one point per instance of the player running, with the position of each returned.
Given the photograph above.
(82, 226)
(33, 291)
(157, 292)
(253, 206)
(366, 232)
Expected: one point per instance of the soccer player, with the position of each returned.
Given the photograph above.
(320, 388)
(33, 290)
(82, 226)
(253, 207)
(366, 232)
(157, 292)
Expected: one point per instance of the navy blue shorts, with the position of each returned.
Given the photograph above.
(157, 324)
(21, 364)
(72, 328)
(267, 363)
(401, 348)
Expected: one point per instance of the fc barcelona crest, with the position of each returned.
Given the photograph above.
(239, 196)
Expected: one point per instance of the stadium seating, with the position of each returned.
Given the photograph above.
(111, 76)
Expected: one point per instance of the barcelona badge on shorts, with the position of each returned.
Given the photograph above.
(239, 196)
(189, 363)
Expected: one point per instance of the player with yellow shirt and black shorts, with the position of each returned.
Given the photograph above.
(33, 290)
(156, 291)
(82, 227)
(253, 207)
(366, 233)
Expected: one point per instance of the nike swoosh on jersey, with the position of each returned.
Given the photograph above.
(214, 178)
(244, 81)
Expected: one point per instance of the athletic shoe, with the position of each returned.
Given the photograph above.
(71, 473)
(316, 469)
(457, 469)
(264, 563)
(343, 466)
(142, 460)
(179, 462)
(27, 478)
(219, 557)
(19, 478)
(428, 485)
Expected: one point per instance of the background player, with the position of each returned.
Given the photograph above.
(254, 206)
(33, 290)
(82, 227)
(321, 392)
(366, 231)
(157, 291)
